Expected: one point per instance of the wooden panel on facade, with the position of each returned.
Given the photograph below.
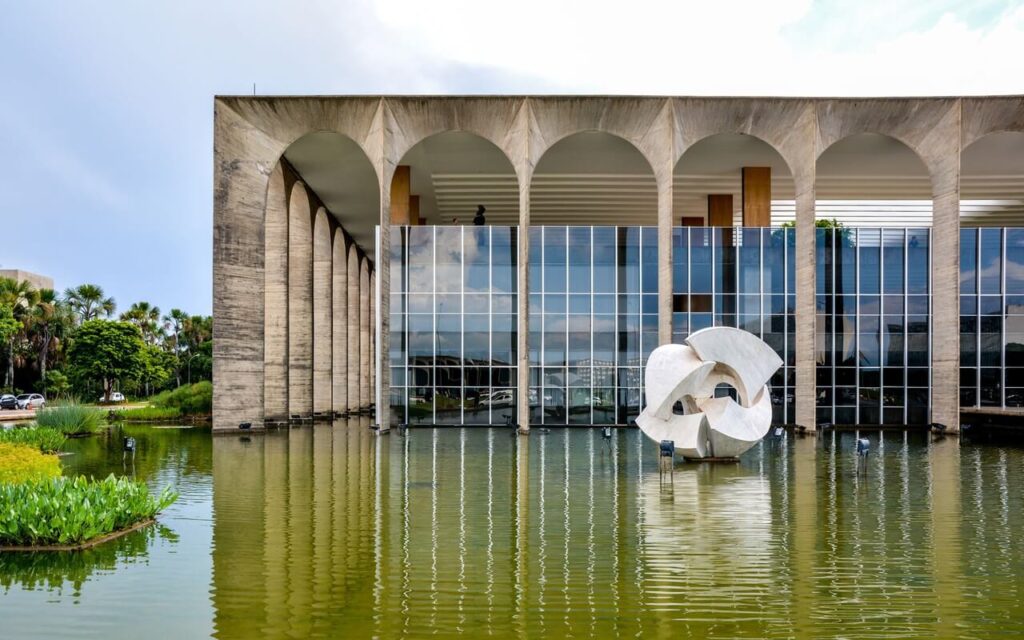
(414, 211)
(691, 221)
(400, 195)
(720, 210)
(757, 196)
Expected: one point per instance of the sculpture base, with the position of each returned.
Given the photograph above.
(732, 460)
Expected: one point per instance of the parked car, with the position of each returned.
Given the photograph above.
(7, 401)
(31, 401)
(115, 396)
(500, 398)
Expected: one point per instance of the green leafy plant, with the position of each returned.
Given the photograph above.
(74, 510)
(21, 463)
(146, 414)
(47, 439)
(108, 351)
(192, 399)
(71, 419)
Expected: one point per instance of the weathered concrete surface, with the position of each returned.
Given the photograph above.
(275, 337)
(353, 328)
(364, 333)
(323, 307)
(339, 322)
(300, 304)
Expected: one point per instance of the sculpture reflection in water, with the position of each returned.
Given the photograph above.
(681, 383)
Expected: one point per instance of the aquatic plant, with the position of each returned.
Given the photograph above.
(70, 419)
(146, 414)
(74, 510)
(23, 463)
(46, 439)
(192, 399)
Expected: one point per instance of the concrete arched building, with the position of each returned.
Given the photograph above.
(613, 224)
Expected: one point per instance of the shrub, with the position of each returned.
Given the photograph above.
(46, 439)
(146, 414)
(192, 399)
(20, 463)
(70, 419)
(74, 510)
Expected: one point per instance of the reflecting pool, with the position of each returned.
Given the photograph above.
(335, 532)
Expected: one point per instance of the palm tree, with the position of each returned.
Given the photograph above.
(50, 320)
(88, 302)
(147, 318)
(21, 298)
(175, 322)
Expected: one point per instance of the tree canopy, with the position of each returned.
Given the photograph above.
(108, 351)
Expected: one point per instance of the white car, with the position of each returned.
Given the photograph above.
(501, 398)
(31, 401)
(115, 396)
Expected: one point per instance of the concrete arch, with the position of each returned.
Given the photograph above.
(323, 306)
(602, 154)
(887, 156)
(411, 121)
(931, 128)
(716, 165)
(787, 125)
(474, 154)
(992, 179)
(645, 123)
(300, 303)
(983, 116)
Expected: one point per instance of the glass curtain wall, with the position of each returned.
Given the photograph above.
(453, 325)
(992, 317)
(594, 318)
(873, 326)
(745, 278)
(593, 322)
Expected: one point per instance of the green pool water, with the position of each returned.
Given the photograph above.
(331, 531)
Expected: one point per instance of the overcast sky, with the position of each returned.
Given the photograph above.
(106, 107)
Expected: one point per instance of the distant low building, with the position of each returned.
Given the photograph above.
(36, 280)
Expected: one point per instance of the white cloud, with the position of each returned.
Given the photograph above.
(728, 48)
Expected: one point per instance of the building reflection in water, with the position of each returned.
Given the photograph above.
(323, 531)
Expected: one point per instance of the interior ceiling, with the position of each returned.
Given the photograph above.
(338, 171)
(602, 179)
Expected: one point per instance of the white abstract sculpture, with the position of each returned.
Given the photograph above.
(710, 427)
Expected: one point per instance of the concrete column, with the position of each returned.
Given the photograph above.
(382, 311)
(523, 321)
(805, 302)
(339, 323)
(373, 334)
(353, 328)
(323, 306)
(300, 304)
(665, 258)
(275, 301)
(364, 332)
(945, 276)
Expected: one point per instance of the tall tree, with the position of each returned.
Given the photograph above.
(89, 303)
(147, 318)
(175, 322)
(20, 298)
(50, 321)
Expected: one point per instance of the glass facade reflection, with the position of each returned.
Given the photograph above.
(992, 317)
(593, 318)
(873, 319)
(739, 277)
(453, 325)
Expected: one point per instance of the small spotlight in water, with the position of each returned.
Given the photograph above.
(245, 426)
(606, 433)
(667, 448)
(863, 447)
